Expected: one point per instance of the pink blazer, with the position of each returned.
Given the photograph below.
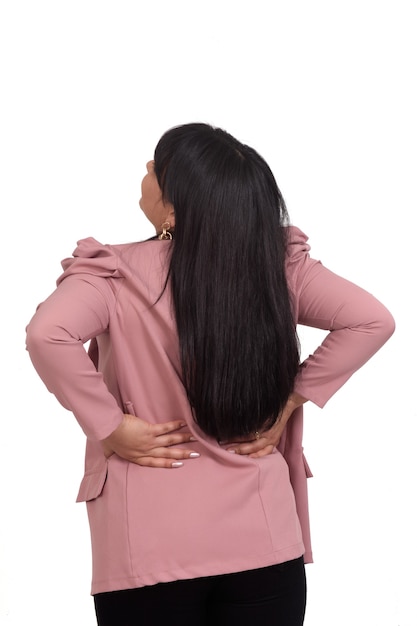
(217, 514)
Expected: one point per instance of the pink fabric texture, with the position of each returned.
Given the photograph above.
(222, 512)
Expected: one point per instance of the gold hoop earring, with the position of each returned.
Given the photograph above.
(166, 234)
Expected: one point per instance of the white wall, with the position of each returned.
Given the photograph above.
(326, 92)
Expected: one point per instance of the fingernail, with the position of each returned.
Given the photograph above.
(232, 451)
(177, 464)
(193, 438)
(194, 455)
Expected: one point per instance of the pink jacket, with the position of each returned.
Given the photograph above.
(219, 513)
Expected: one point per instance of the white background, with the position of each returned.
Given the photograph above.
(326, 92)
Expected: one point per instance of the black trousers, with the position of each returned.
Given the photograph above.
(271, 596)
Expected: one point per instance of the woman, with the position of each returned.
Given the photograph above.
(193, 366)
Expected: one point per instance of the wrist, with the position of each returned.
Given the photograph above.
(295, 400)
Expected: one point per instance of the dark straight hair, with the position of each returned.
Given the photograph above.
(237, 337)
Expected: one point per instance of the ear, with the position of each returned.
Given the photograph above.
(171, 216)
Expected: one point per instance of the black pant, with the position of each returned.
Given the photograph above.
(271, 596)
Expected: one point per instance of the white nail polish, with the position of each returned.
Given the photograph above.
(177, 464)
(194, 455)
(232, 451)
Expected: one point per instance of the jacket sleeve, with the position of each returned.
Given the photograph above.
(358, 323)
(78, 310)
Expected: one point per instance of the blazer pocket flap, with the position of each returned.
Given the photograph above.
(92, 485)
(309, 473)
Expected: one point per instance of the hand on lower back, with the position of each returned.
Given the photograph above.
(153, 445)
(265, 442)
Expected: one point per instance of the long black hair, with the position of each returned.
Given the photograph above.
(238, 343)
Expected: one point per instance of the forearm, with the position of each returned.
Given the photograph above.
(358, 323)
(70, 375)
(74, 313)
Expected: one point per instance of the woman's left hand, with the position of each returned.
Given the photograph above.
(265, 442)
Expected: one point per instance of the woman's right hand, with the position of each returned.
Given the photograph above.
(152, 445)
(267, 441)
